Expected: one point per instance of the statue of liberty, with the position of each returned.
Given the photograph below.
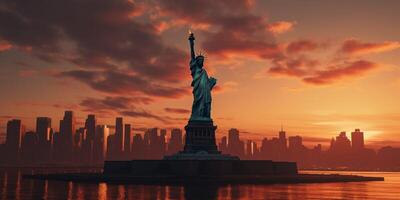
(200, 131)
(202, 86)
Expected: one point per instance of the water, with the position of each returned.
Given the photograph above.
(13, 186)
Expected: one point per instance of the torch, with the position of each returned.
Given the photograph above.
(191, 36)
(191, 41)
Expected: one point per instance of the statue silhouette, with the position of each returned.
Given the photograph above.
(202, 86)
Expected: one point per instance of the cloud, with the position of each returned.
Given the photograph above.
(236, 30)
(4, 45)
(121, 105)
(280, 27)
(296, 67)
(357, 47)
(177, 110)
(112, 103)
(93, 34)
(302, 46)
(315, 70)
(335, 73)
(114, 82)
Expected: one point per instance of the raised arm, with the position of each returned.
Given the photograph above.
(191, 42)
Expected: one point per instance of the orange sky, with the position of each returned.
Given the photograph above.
(315, 67)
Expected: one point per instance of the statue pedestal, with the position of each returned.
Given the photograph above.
(200, 143)
(200, 137)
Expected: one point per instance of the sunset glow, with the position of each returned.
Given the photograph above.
(315, 67)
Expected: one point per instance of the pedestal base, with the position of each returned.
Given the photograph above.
(200, 143)
(200, 156)
(200, 137)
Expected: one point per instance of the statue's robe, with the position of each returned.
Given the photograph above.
(202, 87)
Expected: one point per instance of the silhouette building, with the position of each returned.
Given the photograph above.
(119, 135)
(295, 143)
(341, 145)
(88, 141)
(44, 138)
(176, 141)
(100, 143)
(282, 140)
(29, 152)
(139, 150)
(67, 135)
(127, 141)
(357, 140)
(235, 145)
(92, 144)
(15, 131)
(223, 145)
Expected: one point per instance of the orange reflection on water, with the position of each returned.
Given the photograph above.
(102, 191)
(13, 186)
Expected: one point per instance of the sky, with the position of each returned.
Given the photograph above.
(313, 67)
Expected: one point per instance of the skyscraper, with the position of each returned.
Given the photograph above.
(357, 139)
(295, 143)
(341, 145)
(162, 141)
(67, 135)
(29, 151)
(175, 143)
(282, 140)
(88, 141)
(223, 145)
(15, 130)
(119, 135)
(100, 143)
(235, 146)
(44, 139)
(127, 140)
(90, 126)
(43, 129)
(139, 150)
(249, 148)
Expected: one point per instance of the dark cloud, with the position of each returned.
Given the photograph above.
(335, 73)
(314, 71)
(236, 29)
(121, 105)
(117, 47)
(113, 103)
(177, 110)
(93, 34)
(296, 67)
(114, 82)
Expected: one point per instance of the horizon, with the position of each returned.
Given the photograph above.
(309, 142)
(282, 65)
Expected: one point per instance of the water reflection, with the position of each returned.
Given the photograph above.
(13, 186)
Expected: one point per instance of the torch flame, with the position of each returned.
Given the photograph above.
(190, 31)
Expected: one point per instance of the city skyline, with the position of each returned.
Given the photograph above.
(321, 67)
(93, 143)
(82, 122)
